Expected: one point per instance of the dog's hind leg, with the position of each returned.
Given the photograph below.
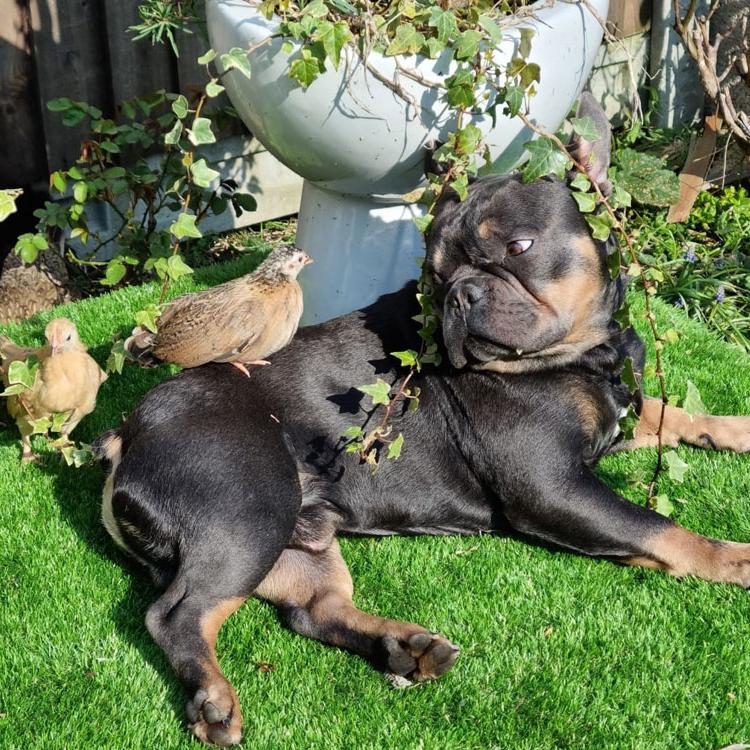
(314, 592)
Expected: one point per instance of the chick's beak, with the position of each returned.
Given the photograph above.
(307, 260)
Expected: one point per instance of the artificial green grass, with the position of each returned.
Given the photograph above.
(558, 651)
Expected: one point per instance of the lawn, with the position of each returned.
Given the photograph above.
(557, 651)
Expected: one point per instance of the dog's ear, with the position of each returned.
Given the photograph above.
(593, 155)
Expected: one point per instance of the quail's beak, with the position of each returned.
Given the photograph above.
(307, 261)
(56, 347)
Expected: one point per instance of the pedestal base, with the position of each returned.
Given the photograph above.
(361, 249)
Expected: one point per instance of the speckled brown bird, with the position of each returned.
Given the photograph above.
(240, 322)
(68, 380)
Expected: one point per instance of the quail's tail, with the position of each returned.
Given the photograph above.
(140, 346)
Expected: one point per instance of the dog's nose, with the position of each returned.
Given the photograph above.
(463, 296)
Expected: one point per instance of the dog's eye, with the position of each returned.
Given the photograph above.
(516, 247)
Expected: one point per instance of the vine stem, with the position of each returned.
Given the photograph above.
(658, 340)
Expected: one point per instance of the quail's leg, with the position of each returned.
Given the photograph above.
(241, 368)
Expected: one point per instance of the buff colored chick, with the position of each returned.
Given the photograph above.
(240, 322)
(68, 380)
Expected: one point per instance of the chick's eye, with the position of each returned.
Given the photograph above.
(69, 337)
(516, 247)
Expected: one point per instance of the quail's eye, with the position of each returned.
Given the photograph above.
(516, 247)
(69, 337)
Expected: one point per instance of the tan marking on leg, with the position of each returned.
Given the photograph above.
(702, 430)
(113, 451)
(587, 408)
(680, 553)
(320, 584)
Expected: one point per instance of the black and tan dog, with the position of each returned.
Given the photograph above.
(227, 487)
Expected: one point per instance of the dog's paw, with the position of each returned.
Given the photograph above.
(726, 433)
(214, 715)
(424, 656)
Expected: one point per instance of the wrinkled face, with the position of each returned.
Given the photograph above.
(61, 335)
(519, 280)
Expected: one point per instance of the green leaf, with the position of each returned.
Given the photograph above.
(586, 128)
(663, 506)
(493, 30)
(185, 227)
(287, 48)
(693, 403)
(305, 69)
(601, 227)
(676, 467)
(394, 449)
(379, 391)
(407, 41)
(236, 59)
(423, 222)
(115, 272)
(8, 201)
(23, 372)
(524, 46)
(208, 57)
(546, 158)
(468, 44)
(526, 72)
(581, 182)
(620, 197)
(59, 105)
(173, 136)
(444, 23)
(58, 420)
(180, 107)
(177, 268)
(39, 426)
(586, 201)
(315, 9)
(407, 358)
(147, 318)
(333, 37)
(80, 192)
(13, 390)
(646, 179)
(460, 89)
(461, 186)
(116, 359)
(468, 140)
(214, 88)
(353, 432)
(201, 133)
(628, 376)
(28, 246)
(202, 174)
(514, 99)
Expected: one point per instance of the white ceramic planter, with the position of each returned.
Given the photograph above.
(359, 146)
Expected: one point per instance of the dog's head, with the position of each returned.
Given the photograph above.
(519, 280)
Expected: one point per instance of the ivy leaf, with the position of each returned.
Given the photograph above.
(58, 420)
(315, 9)
(39, 426)
(646, 179)
(80, 192)
(305, 69)
(693, 403)
(333, 37)
(214, 88)
(460, 89)
(394, 449)
(185, 227)
(468, 44)
(581, 182)
(180, 107)
(236, 59)
(115, 272)
(407, 41)
(116, 359)
(243, 202)
(407, 358)
(23, 373)
(147, 317)
(201, 132)
(524, 46)
(379, 391)
(585, 128)
(202, 174)
(8, 201)
(444, 23)
(423, 222)
(468, 139)
(676, 467)
(514, 99)
(461, 186)
(29, 245)
(493, 30)
(586, 201)
(546, 158)
(173, 136)
(628, 376)
(177, 268)
(620, 198)
(663, 506)
(14, 390)
(526, 72)
(352, 433)
(601, 227)
(208, 57)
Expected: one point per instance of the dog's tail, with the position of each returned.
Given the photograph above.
(140, 346)
(108, 447)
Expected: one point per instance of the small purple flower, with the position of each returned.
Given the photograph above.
(679, 302)
(690, 255)
(719, 263)
(720, 294)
